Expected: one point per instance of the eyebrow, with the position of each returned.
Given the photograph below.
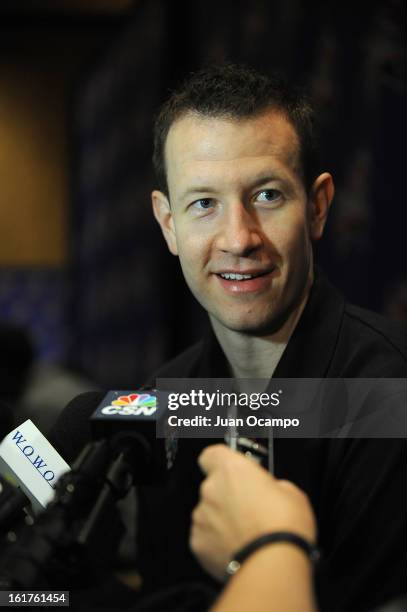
(262, 179)
(267, 177)
(197, 189)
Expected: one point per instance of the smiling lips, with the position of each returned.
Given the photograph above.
(244, 281)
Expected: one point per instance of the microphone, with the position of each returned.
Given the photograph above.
(71, 431)
(13, 503)
(128, 420)
(29, 460)
(122, 418)
(76, 536)
(81, 524)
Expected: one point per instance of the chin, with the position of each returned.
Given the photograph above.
(260, 324)
(255, 327)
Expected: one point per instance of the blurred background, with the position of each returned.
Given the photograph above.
(89, 296)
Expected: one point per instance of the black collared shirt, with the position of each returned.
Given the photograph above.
(356, 486)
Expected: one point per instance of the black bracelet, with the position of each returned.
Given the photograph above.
(241, 555)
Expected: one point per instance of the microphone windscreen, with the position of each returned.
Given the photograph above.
(72, 430)
(129, 421)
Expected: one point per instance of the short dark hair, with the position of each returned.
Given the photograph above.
(237, 91)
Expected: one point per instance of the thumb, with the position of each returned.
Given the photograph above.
(212, 456)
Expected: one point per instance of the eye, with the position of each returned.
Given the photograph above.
(203, 204)
(273, 196)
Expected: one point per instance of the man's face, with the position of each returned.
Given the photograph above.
(238, 217)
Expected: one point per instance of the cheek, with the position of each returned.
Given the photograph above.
(192, 251)
(291, 238)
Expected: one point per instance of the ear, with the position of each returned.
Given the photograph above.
(322, 193)
(163, 214)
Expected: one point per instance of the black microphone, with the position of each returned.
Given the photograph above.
(71, 431)
(12, 499)
(125, 419)
(13, 504)
(128, 420)
(125, 450)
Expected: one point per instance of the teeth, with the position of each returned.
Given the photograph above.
(239, 277)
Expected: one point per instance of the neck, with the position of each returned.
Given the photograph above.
(257, 356)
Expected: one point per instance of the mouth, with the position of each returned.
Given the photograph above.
(245, 282)
(241, 276)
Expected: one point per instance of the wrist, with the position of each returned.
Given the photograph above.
(282, 540)
(277, 553)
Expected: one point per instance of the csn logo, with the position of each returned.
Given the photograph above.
(135, 404)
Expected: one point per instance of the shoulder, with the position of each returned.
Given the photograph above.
(371, 344)
(377, 329)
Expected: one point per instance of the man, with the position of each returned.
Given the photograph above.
(241, 200)
(241, 214)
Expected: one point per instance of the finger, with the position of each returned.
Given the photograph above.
(288, 485)
(196, 516)
(211, 457)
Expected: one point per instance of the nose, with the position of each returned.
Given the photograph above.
(240, 233)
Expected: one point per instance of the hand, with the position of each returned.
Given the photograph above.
(239, 501)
